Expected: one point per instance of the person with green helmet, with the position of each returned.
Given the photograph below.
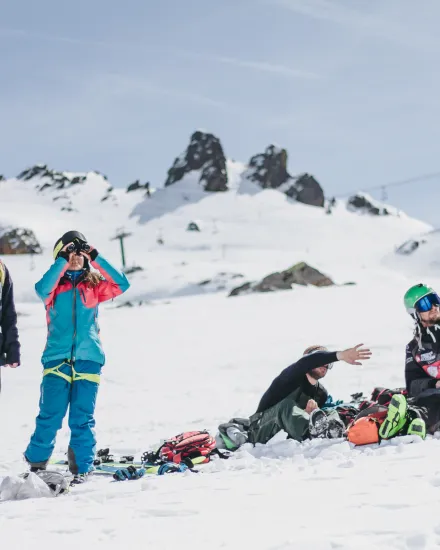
(422, 369)
(418, 412)
(422, 365)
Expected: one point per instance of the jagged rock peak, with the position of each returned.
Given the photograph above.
(269, 169)
(364, 204)
(307, 190)
(204, 154)
(53, 178)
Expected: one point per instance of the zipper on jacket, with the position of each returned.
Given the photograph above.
(72, 352)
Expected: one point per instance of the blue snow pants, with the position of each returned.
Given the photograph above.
(64, 385)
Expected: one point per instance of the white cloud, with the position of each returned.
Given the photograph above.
(261, 66)
(23, 34)
(382, 22)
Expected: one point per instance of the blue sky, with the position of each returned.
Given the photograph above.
(350, 87)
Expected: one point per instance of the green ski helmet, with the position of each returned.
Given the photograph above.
(414, 294)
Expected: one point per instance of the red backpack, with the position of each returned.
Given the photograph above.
(188, 445)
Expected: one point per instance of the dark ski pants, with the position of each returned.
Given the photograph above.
(285, 415)
(64, 385)
(430, 400)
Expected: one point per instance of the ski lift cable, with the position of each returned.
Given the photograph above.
(398, 183)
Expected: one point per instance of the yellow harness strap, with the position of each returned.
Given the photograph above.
(96, 378)
(56, 370)
(84, 376)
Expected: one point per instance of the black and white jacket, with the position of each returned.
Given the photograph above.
(9, 342)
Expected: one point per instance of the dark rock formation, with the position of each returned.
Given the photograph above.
(307, 190)
(18, 241)
(362, 203)
(408, 247)
(269, 169)
(204, 153)
(299, 274)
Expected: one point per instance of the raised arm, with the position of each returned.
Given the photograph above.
(115, 282)
(290, 378)
(46, 286)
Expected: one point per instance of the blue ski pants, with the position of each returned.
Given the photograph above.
(63, 385)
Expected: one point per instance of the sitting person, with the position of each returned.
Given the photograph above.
(294, 401)
(422, 365)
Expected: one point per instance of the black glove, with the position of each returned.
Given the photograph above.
(93, 254)
(64, 254)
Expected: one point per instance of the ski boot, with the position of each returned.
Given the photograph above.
(395, 419)
(78, 479)
(417, 427)
(336, 428)
(318, 423)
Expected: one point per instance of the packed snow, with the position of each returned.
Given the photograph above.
(189, 358)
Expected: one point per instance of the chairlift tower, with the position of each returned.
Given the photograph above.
(121, 235)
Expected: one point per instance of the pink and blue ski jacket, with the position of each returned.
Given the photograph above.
(72, 310)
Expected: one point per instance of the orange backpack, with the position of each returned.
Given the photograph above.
(364, 430)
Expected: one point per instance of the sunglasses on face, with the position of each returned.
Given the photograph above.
(427, 303)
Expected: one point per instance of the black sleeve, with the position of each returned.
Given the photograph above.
(11, 346)
(293, 376)
(417, 380)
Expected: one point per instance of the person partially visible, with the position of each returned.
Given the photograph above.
(422, 362)
(9, 340)
(294, 400)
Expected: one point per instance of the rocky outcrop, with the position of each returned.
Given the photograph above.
(307, 190)
(62, 186)
(204, 154)
(54, 179)
(299, 274)
(137, 185)
(408, 247)
(366, 205)
(18, 241)
(269, 171)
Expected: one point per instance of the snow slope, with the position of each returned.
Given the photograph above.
(418, 257)
(193, 358)
(246, 231)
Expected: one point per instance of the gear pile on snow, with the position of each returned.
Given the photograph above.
(41, 484)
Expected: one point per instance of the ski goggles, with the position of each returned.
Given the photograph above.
(427, 303)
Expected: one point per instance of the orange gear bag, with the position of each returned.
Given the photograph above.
(364, 431)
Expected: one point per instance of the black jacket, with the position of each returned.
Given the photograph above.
(9, 343)
(294, 377)
(423, 351)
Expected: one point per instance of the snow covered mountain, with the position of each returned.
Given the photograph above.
(253, 223)
(193, 358)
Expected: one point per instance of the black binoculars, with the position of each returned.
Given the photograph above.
(78, 247)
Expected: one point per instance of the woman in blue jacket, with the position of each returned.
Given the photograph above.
(73, 356)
